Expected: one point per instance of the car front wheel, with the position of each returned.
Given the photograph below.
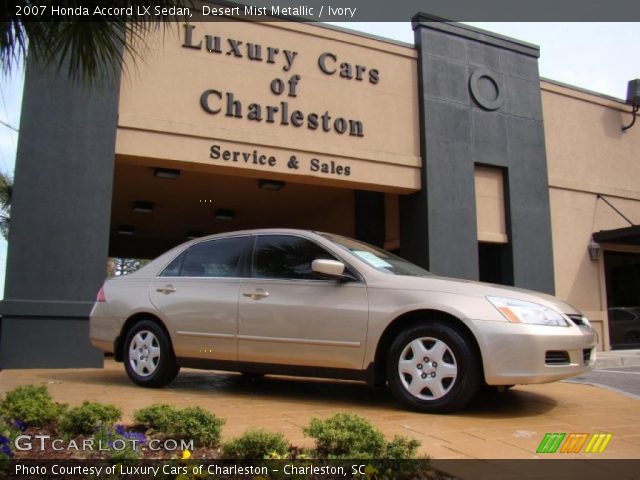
(432, 368)
(148, 356)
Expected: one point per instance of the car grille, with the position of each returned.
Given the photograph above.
(557, 357)
(577, 319)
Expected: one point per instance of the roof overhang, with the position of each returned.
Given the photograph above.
(626, 236)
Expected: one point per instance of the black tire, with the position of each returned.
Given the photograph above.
(446, 381)
(492, 390)
(155, 370)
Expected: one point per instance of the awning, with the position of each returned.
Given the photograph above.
(627, 235)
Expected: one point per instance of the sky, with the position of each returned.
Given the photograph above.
(601, 57)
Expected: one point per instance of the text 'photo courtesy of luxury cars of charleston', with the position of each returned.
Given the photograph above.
(306, 303)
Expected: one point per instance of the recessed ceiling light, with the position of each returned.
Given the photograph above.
(225, 214)
(142, 207)
(271, 184)
(192, 234)
(170, 173)
(126, 230)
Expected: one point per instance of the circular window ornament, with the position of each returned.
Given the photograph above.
(485, 89)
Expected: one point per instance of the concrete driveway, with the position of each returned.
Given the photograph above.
(509, 425)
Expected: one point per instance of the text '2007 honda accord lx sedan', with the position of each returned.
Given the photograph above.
(304, 303)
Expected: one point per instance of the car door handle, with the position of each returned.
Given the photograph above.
(256, 294)
(167, 289)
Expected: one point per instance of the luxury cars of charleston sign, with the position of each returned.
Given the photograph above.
(225, 103)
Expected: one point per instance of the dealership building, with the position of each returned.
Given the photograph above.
(452, 152)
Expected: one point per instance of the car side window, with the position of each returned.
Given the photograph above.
(286, 257)
(617, 315)
(214, 258)
(173, 269)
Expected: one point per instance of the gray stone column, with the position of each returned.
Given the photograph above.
(479, 104)
(60, 220)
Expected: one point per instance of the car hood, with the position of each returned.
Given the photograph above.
(470, 288)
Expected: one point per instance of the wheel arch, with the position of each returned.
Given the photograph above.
(409, 319)
(118, 344)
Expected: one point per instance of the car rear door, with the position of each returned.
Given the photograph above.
(286, 316)
(198, 296)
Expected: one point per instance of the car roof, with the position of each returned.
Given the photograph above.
(257, 231)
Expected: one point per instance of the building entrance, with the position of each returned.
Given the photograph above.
(622, 276)
(156, 207)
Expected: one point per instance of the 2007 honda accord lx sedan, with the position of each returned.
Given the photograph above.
(304, 303)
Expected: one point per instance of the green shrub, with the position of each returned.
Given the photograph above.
(159, 416)
(401, 448)
(256, 444)
(89, 417)
(191, 422)
(346, 435)
(31, 405)
(197, 423)
(5, 441)
(124, 449)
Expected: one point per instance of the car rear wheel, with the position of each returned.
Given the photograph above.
(433, 368)
(148, 356)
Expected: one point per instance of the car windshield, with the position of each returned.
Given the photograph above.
(377, 258)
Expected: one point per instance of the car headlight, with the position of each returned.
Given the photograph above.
(586, 322)
(519, 311)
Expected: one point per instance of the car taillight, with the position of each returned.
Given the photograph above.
(100, 297)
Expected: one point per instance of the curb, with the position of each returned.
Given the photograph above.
(628, 358)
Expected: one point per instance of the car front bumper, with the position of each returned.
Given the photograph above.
(517, 353)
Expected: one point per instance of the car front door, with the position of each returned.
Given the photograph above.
(198, 296)
(287, 316)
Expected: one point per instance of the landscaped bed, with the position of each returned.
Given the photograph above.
(33, 427)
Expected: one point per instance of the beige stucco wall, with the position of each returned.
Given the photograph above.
(162, 123)
(587, 155)
(161, 117)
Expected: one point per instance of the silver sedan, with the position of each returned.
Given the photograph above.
(303, 303)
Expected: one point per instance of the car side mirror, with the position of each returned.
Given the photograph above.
(330, 269)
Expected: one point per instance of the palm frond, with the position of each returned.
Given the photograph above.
(14, 43)
(89, 51)
(4, 226)
(6, 190)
